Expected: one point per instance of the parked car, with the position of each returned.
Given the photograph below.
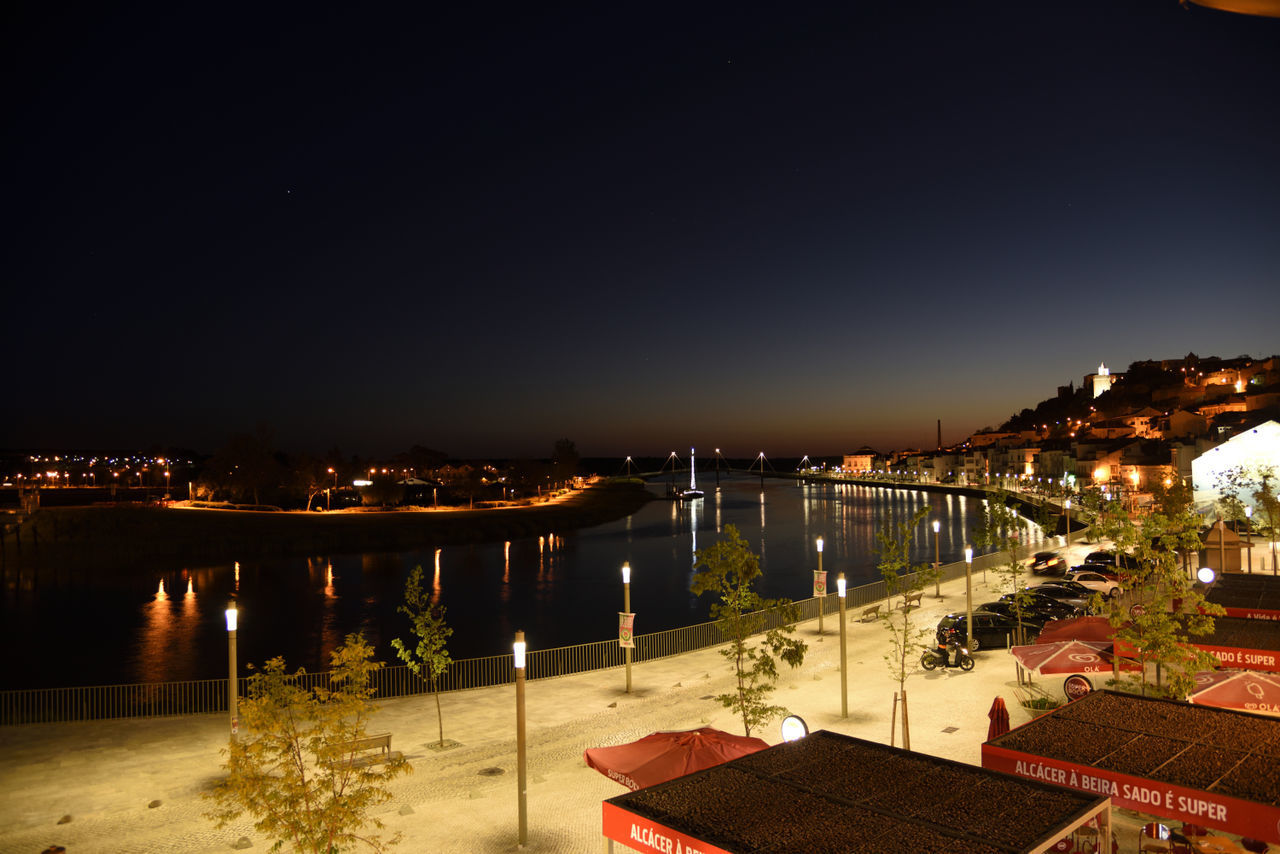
(1108, 558)
(989, 630)
(1047, 606)
(1105, 570)
(1095, 581)
(1071, 592)
(1031, 616)
(1048, 563)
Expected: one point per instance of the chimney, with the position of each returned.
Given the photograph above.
(939, 434)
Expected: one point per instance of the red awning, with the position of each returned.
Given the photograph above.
(1247, 690)
(663, 756)
(1077, 628)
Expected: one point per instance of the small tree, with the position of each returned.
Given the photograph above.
(906, 640)
(1164, 607)
(292, 771)
(728, 570)
(429, 659)
(1000, 527)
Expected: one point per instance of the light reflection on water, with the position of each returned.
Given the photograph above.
(560, 588)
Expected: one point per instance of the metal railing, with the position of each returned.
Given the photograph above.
(209, 696)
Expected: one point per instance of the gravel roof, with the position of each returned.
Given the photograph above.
(831, 792)
(1201, 747)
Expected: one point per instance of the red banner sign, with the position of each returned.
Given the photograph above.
(819, 583)
(1245, 818)
(626, 626)
(646, 835)
(1244, 659)
(1253, 613)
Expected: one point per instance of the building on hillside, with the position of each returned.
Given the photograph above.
(1181, 424)
(1258, 448)
(1101, 381)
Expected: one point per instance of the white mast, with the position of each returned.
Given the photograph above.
(693, 484)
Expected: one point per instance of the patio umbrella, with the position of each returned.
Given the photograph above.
(664, 756)
(1248, 690)
(1077, 628)
(999, 715)
(1068, 657)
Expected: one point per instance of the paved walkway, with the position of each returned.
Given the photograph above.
(105, 776)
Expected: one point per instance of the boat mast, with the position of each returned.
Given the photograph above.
(693, 484)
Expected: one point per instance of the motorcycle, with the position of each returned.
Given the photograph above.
(933, 659)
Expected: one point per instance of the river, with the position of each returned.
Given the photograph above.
(561, 588)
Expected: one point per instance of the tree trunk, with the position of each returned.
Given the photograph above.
(906, 728)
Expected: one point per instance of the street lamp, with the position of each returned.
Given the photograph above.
(1248, 535)
(844, 659)
(1066, 512)
(819, 585)
(232, 686)
(937, 559)
(626, 610)
(968, 596)
(518, 650)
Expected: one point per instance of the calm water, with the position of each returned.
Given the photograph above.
(561, 588)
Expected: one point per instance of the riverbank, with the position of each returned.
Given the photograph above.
(124, 537)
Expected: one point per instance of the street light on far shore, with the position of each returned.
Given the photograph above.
(233, 679)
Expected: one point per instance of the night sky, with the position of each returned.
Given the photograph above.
(639, 226)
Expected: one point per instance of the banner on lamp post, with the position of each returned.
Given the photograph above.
(819, 583)
(625, 624)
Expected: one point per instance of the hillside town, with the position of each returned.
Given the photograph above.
(1190, 418)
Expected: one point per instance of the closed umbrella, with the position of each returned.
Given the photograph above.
(663, 756)
(999, 715)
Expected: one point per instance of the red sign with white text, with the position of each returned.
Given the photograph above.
(1253, 613)
(1244, 659)
(643, 834)
(1234, 815)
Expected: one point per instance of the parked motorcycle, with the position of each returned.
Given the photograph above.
(934, 658)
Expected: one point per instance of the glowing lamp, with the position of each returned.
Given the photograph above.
(936, 526)
(232, 615)
(819, 544)
(1206, 574)
(517, 649)
(840, 586)
(968, 554)
(794, 728)
(626, 573)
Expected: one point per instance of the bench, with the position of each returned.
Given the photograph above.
(380, 742)
(869, 615)
(909, 600)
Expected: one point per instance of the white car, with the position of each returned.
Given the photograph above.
(1094, 581)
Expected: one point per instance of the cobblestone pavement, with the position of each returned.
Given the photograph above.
(105, 775)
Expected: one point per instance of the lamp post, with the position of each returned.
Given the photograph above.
(232, 686)
(937, 559)
(518, 649)
(968, 596)
(844, 659)
(1066, 513)
(820, 590)
(626, 608)
(1248, 535)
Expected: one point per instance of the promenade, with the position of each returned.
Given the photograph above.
(106, 775)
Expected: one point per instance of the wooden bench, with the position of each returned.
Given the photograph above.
(910, 600)
(869, 615)
(380, 742)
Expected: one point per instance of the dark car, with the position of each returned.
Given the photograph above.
(1070, 592)
(1108, 558)
(989, 629)
(1047, 606)
(1048, 563)
(1031, 617)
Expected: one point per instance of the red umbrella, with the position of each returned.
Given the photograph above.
(999, 715)
(1068, 657)
(1249, 690)
(664, 756)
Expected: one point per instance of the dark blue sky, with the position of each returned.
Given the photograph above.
(642, 227)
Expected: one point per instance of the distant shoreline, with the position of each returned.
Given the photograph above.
(130, 538)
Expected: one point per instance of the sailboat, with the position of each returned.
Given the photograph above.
(692, 492)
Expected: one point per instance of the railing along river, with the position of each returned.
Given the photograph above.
(209, 696)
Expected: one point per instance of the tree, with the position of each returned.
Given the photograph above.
(900, 579)
(728, 570)
(1164, 608)
(1000, 527)
(429, 659)
(564, 460)
(311, 477)
(292, 771)
(1258, 482)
